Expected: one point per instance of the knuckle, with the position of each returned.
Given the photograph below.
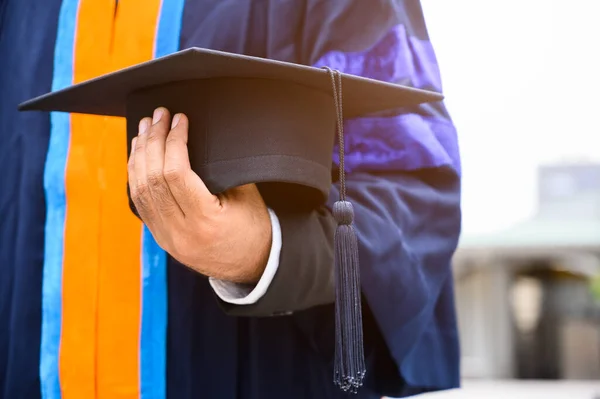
(166, 209)
(141, 189)
(155, 179)
(131, 165)
(153, 137)
(139, 146)
(138, 200)
(173, 175)
(143, 207)
(173, 141)
(163, 200)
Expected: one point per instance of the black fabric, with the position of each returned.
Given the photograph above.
(25, 53)
(292, 355)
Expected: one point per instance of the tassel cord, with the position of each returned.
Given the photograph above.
(349, 363)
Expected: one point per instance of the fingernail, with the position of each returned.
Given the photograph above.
(175, 120)
(144, 125)
(158, 112)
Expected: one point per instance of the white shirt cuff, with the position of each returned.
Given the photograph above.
(244, 294)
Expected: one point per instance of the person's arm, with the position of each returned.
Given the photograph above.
(407, 225)
(304, 274)
(247, 294)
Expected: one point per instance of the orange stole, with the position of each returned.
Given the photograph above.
(119, 313)
(77, 363)
(99, 355)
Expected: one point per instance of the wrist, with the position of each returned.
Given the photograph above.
(252, 254)
(237, 253)
(252, 266)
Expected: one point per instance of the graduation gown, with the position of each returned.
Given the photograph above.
(91, 307)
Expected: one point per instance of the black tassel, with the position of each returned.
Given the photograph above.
(349, 362)
(349, 365)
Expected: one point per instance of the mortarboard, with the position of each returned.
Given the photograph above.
(254, 120)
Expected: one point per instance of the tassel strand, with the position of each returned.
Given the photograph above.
(349, 360)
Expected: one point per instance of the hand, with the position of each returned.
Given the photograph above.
(225, 236)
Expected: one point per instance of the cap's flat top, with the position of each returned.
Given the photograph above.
(107, 95)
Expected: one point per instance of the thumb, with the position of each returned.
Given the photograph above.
(247, 193)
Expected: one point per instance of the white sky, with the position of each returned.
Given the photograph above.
(521, 79)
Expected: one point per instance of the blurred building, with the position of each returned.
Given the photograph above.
(523, 298)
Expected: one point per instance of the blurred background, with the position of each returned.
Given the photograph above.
(521, 79)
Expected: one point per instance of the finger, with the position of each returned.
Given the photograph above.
(187, 187)
(141, 199)
(160, 193)
(131, 179)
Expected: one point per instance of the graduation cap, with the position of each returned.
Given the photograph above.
(254, 120)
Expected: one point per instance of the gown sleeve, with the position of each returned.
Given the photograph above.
(408, 225)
